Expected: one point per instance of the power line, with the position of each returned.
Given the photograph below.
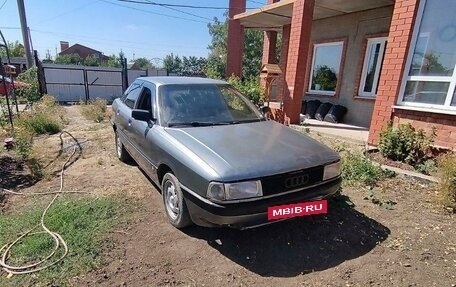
(179, 5)
(257, 2)
(67, 12)
(155, 13)
(3, 4)
(177, 10)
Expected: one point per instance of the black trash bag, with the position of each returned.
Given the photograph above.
(311, 108)
(336, 114)
(322, 111)
(303, 107)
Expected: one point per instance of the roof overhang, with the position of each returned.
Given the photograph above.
(275, 16)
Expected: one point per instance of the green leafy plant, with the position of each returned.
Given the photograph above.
(358, 170)
(447, 180)
(31, 91)
(404, 143)
(250, 88)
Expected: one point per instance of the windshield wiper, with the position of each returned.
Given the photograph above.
(191, 124)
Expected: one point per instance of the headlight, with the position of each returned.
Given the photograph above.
(231, 191)
(331, 170)
(243, 190)
(216, 191)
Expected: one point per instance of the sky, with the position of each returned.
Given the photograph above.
(111, 26)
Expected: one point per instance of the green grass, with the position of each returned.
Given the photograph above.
(84, 224)
(358, 170)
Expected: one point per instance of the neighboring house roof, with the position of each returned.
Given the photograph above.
(82, 51)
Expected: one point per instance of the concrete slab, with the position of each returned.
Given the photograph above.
(350, 132)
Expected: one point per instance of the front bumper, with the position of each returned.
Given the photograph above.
(251, 213)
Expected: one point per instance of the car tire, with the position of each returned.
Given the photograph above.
(122, 153)
(174, 203)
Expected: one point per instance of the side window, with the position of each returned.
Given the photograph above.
(132, 96)
(145, 100)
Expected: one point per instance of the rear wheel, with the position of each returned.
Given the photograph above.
(173, 199)
(121, 152)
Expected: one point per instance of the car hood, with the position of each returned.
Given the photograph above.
(252, 150)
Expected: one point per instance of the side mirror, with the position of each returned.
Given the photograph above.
(141, 115)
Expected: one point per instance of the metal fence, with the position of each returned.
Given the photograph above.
(72, 83)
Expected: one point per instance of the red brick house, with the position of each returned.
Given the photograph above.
(81, 50)
(382, 59)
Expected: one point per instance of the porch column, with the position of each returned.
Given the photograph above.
(301, 28)
(235, 43)
(270, 43)
(400, 35)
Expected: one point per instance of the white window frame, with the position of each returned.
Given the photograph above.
(370, 42)
(445, 79)
(320, 92)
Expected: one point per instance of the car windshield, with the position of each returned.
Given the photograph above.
(204, 105)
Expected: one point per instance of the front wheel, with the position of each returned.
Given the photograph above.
(173, 199)
(121, 152)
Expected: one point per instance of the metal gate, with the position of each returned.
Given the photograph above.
(73, 83)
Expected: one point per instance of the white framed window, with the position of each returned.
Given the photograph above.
(373, 60)
(326, 62)
(430, 76)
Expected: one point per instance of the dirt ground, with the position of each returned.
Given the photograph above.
(414, 244)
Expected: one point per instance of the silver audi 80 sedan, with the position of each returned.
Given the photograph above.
(217, 160)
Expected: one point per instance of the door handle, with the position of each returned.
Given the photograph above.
(129, 122)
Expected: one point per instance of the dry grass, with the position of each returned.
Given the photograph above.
(95, 111)
(447, 181)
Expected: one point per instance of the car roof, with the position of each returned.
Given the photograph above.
(171, 80)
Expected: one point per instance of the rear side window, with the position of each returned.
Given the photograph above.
(132, 96)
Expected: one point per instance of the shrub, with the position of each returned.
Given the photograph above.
(95, 110)
(357, 169)
(32, 91)
(250, 88)
(44, 118)
(447, 180)
(404, 143)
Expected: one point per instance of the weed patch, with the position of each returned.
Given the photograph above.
(95, 110)
(83, 223)
(447, 181)
(358, 170)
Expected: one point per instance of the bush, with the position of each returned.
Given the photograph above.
(357, 169)
(404, 143)
(95, 110)
(250, 88)
(447, 180)
(32, 91)
(43, 119)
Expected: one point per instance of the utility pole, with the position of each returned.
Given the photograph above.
(25, 34)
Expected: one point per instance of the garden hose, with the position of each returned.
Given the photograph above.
(58, 239)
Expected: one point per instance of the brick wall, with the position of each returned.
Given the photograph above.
(393, 65)
(300, 32)
(445, 125)
(235, 39)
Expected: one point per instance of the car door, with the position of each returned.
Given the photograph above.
(123, 115)
(144, 133)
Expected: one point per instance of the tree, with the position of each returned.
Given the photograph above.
(143, 63)
(91, 61)
(173, 64)
(253, 50)
(16, 49)
(114, 61)
(193, 66)
(71, 59)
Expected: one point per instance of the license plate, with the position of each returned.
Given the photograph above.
(298, 209)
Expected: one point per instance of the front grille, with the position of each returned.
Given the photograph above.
(290, 181)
